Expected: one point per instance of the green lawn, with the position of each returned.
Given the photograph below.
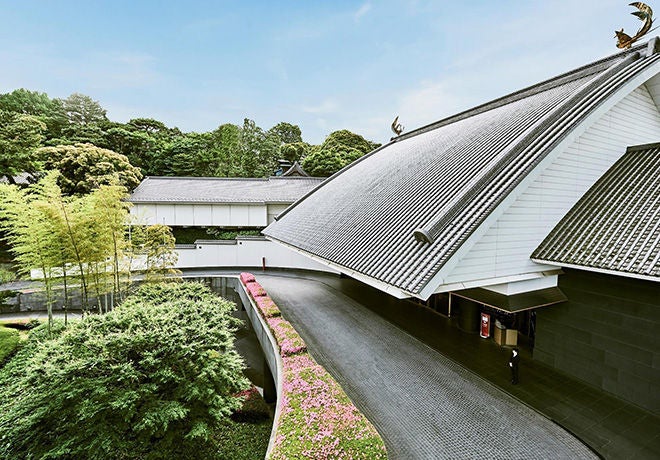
(246, 434)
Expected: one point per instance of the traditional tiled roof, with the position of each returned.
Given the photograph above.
(222, 190)
(295, 171)
(616, 225)
(398, 214)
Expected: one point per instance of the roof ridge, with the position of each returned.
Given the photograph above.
(296, 178)
(431, 229)
(264, 179)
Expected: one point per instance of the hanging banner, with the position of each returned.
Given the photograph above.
(485, 325)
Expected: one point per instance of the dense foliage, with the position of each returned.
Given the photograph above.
(157, 150)
(84, 168)
(9, 339)
(157, 377)
(338, 150)
(81, 239)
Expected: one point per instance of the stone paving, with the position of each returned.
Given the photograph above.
(424, 405)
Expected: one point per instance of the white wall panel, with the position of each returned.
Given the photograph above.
(183, 213)
(246, 253)
(165, 214)
(505, 248)
(221, 215)
(257, 216)
(202, 215)
(274, 210)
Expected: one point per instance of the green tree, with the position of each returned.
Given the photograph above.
(32, 235)
(49, 111)
(85, 167)
(258, 151)
(20, 135)
(338, 150)
(225, 141)
(156, 245)
(152, 140)
(152, 379)
(295, 151)
(286, 132)
(83, 110)
(189, 155)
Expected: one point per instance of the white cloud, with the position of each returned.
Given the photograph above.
(364, 9)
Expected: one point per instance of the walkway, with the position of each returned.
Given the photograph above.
(424, 404)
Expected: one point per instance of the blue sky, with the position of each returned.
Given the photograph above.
(324, 65)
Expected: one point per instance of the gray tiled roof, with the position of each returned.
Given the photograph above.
(616, 225)
(441, 181)
(222, 190)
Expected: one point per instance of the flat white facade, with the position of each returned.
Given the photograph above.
(244, 252)
(207, 215)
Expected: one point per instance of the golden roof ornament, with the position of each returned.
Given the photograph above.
(645, 14)
(397, 128)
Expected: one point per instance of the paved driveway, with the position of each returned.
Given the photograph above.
(424, 405)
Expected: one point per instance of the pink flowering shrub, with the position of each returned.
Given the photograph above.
(318, 420)
(246, 278)
(255, 289)
(267, 307)
(286, 336)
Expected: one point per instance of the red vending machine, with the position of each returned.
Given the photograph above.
(485, 325)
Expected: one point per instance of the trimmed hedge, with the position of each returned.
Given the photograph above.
(317, 419)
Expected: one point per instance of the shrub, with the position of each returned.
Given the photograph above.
(286, 336)
(9, 339)
(6, 276)
(154, 378)
(255, 290)
(318, 420)
(267, 307)
(247, 278)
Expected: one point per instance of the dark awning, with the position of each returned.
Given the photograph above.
(516, 302)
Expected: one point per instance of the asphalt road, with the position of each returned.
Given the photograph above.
(424, 405)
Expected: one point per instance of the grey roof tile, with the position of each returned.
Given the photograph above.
(222, 190)
(443, 179)
(616, 225)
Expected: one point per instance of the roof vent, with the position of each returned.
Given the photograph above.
(422, 236)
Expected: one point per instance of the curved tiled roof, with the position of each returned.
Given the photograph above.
(616, 225)
(398, 214)
(222, 190)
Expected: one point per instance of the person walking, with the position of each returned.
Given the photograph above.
(514, 360)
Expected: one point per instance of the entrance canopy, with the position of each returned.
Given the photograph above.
(516, 302)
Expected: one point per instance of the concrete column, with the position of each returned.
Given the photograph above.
(270, 391)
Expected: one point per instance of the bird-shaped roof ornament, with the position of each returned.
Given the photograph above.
(645, 14)
(397, 128)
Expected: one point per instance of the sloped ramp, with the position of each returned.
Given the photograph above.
(424, 405)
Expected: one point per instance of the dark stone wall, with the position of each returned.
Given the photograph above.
(607, 334)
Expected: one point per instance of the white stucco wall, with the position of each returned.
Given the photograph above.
(247, 252)
(207, 215)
